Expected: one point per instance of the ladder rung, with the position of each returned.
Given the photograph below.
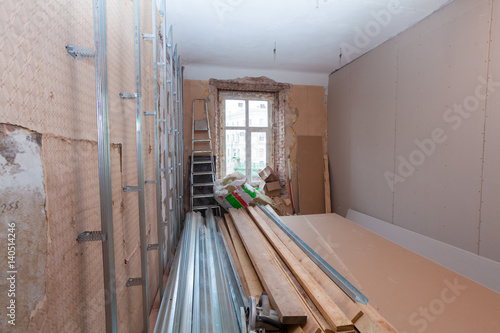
(198, 173)
(202, 162)
(205, 207)
(201, 140)
(207, 195)
(202, 184)
(202, 151)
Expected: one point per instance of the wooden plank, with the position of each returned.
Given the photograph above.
(328, 201)
(328, 308)
(365, 318)
(281, 295)
(373, 321)
(311, 181)
(255, 288)
(348, 306)
(315, 321)
(234, 256)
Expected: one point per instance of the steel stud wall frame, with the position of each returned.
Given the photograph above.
(103, 142)
(169, 155)
(172, 136)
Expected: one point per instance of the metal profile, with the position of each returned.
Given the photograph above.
(90, 236)
(132, 189)
(128, 95)
(180, 144)
(132, 282)
(183, 166)
(140, 165)
(153, 247)
(157, 181)
(80, 52)
(171, 144)
(335, 276)
(203, 297)
(167, 220)
(103, 143)
(172, 148)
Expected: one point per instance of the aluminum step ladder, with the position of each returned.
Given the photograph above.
(202, 164)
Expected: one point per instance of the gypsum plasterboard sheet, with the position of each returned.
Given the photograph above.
(410, 291)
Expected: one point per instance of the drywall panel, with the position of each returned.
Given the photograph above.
(373, 112)
(311, 177)
(479, 269)
(307, 103)
(490, 209)
(413, 293)
(439, 151)
(305, 114)
(24, 226)
(339, 127)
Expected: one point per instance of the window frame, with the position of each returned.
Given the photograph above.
(246, 97)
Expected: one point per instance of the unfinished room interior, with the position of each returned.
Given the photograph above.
(250, 166)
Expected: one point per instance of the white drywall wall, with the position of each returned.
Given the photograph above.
(410, 117)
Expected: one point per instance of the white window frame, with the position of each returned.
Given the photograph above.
(245, 97)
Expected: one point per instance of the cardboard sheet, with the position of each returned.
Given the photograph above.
(311, 179)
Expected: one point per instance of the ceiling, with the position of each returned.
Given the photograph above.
(287, 40)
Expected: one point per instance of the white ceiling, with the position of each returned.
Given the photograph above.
(232, 38)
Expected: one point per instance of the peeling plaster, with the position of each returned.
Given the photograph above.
(22, 201)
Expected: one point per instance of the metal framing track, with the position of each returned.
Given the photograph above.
(103, 142)
(140, 164)
(170, 118)
(335, 276)
(159, 220)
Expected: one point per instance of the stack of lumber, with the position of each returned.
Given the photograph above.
(304, 297)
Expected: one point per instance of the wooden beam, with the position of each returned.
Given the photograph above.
(255, 288)
(281, 295)
(373, 321)
(330, 311)
(234, 256)
(328, 202)
(347, 305)
(315, 321)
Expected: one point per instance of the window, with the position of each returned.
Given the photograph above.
(247, 133)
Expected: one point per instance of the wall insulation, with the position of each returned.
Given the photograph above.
(412, 126)
(50, 96)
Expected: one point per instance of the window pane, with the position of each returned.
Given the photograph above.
(235, 151)
(235, 112)
(257, 113)
(259, 155)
